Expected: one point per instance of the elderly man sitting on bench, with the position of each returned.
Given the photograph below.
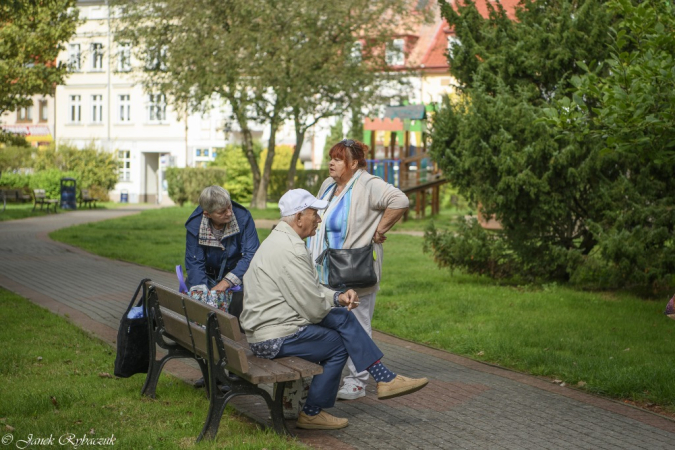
(288, 313)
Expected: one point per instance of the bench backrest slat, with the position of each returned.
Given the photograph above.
(173, 307)
(197, 311)
(39, 193)
(176, 327)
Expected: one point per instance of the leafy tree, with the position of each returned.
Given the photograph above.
(269, 60)
(629, 112)
(32, 34)
(547, 190)
(335, 136)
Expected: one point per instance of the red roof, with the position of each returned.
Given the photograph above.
(429, 52)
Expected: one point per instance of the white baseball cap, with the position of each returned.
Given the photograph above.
(297, 200)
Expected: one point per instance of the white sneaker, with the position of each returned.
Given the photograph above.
(351, 392)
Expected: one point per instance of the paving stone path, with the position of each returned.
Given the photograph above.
(467, 405)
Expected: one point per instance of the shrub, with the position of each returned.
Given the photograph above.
(96, 169)
(304, 179)
(185, 184)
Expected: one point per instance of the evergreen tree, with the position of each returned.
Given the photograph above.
(547, 190)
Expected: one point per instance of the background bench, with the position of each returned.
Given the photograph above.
(15, 195)
(87, 199)
(42, 200)
(186, 328)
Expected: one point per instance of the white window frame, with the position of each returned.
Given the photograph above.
(124, 165)
(97, 57)
(97, 108)
(156, 108)
(75, 108)
(74, 57)
(124, 57)
(395, 52)
(124, 108)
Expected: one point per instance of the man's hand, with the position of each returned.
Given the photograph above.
(350, 299)
(222, 286)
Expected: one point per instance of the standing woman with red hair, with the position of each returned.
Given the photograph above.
(362, 208)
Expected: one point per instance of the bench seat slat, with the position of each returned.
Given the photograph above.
(305, 368)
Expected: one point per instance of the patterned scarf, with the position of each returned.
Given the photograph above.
(212, 238)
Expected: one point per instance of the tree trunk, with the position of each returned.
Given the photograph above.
(239, 112)
(299, 140)
(259, 200)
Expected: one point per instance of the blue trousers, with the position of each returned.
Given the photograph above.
(329, 343)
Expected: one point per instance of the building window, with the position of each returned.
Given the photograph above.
(44, 111)
(97, 108)
(124, 108)
(74, 57)
(124, 164)
(124, 58)
(97, 56)
(198, 152)
(356, 53)
(394, 54)
(157, 107)
(156, 58)
(206, 152)
(75, 108)
(453, 45)
(25, 114)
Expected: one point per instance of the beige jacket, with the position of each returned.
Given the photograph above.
(371, 195)
(282, 288)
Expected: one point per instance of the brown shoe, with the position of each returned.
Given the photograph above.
(399, 386)
(322, 421)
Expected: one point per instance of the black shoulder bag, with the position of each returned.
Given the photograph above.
(133, 347)
(348, 268)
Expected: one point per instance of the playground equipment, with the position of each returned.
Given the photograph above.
(398, 155)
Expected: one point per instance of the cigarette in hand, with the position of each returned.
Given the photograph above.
(356, 303)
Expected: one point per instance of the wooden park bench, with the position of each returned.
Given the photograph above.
(15, 195)
(41, 199)
(87, 199)
(187, 328)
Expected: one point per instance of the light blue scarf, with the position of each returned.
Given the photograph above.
(340, 204)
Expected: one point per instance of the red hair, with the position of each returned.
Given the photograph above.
(355, 151)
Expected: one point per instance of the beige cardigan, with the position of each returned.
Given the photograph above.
(371, 195)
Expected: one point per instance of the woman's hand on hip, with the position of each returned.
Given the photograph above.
(379, 237)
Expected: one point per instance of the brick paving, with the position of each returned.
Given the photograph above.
(467, 405)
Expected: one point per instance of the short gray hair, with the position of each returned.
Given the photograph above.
(290, 218)
(214, 198)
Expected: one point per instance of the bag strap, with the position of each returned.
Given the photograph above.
(133, 299)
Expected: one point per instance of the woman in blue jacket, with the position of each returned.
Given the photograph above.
(220, 243)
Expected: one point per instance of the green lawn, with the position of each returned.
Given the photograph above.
(55, 382)
(613, 344)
